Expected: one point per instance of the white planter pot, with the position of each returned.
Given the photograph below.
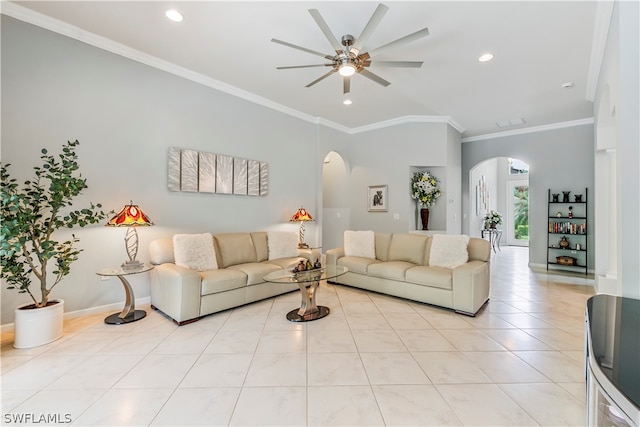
(38, 326)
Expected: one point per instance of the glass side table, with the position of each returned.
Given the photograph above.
(308, 282)
(129, 313)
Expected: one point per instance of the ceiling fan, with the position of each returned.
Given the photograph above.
(349, 58)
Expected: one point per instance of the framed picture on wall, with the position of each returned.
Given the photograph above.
(377, 200)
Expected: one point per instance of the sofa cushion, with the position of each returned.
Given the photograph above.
(260, 243)
(214, 281)
(235, 248)
(382, 246)
(255, 271)
(356, 264)
(437, 277)
(359, 243)
(479, 249)
(448, 250)
(393, 270)
(282, 244)
(407, 247)
(195, 251)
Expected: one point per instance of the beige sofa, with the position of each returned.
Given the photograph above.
(242, 259)
(401, 268)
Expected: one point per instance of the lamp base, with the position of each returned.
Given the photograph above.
(132, 265)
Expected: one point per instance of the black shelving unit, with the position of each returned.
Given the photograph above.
(568, 219)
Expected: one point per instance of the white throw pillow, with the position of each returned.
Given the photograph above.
(282, 244)
(360, 243)
(195, 251)
(448, 251)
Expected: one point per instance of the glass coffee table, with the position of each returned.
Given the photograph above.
(308, 282)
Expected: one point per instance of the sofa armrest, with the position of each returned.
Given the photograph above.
(333, 255)
(471, 286)
(175, 291)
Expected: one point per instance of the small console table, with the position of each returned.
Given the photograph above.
(129, 313)
(495, 236)
(308, 282)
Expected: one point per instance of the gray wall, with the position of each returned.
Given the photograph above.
(386, 157)
(126, 115)
(561, 159)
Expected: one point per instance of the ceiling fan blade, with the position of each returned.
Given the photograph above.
(303, 66)
(321, 78)
(368, 74)
(325, 29)
(373, 23)
(304, 49)
(346, 84)
(403, 40)
(402, 64)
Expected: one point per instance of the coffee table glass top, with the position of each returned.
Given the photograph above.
(288, 276)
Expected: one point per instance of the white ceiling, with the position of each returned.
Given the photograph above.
(538, 46)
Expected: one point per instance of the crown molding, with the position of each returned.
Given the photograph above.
(408, 119)
(532, 129)
(604, 11)
(32, 17)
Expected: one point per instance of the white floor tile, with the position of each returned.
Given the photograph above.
(405, 405)
(198, 407)
(270, 406)
(393, 368)
(560, 406)
(218, 370)
(374, 360)
(343, 406)
(484, 405)
(125, 407)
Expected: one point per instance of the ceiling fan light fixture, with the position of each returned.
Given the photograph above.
(347, 69)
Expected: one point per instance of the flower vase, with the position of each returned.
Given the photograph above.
(424, 216)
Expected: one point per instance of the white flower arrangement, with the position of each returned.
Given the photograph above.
(492, 218)
(424, 188)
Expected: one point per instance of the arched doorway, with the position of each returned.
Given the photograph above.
(501, 184)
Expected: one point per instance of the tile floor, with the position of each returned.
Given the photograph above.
(375, 360)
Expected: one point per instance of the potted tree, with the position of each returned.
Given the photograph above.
(31, 214)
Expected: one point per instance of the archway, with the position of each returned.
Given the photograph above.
(501, 184)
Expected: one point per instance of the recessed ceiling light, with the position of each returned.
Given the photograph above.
(347, 102)
(485, 57)
(174, 15)
(567, 85)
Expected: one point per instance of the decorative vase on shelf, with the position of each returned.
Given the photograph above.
(424, 216)
(492, 226)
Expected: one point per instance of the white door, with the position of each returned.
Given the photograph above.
(517, 221)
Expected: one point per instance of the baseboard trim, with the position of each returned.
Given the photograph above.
(9, 327)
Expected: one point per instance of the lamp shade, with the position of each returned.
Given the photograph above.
(301, 215)
(130, 216)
